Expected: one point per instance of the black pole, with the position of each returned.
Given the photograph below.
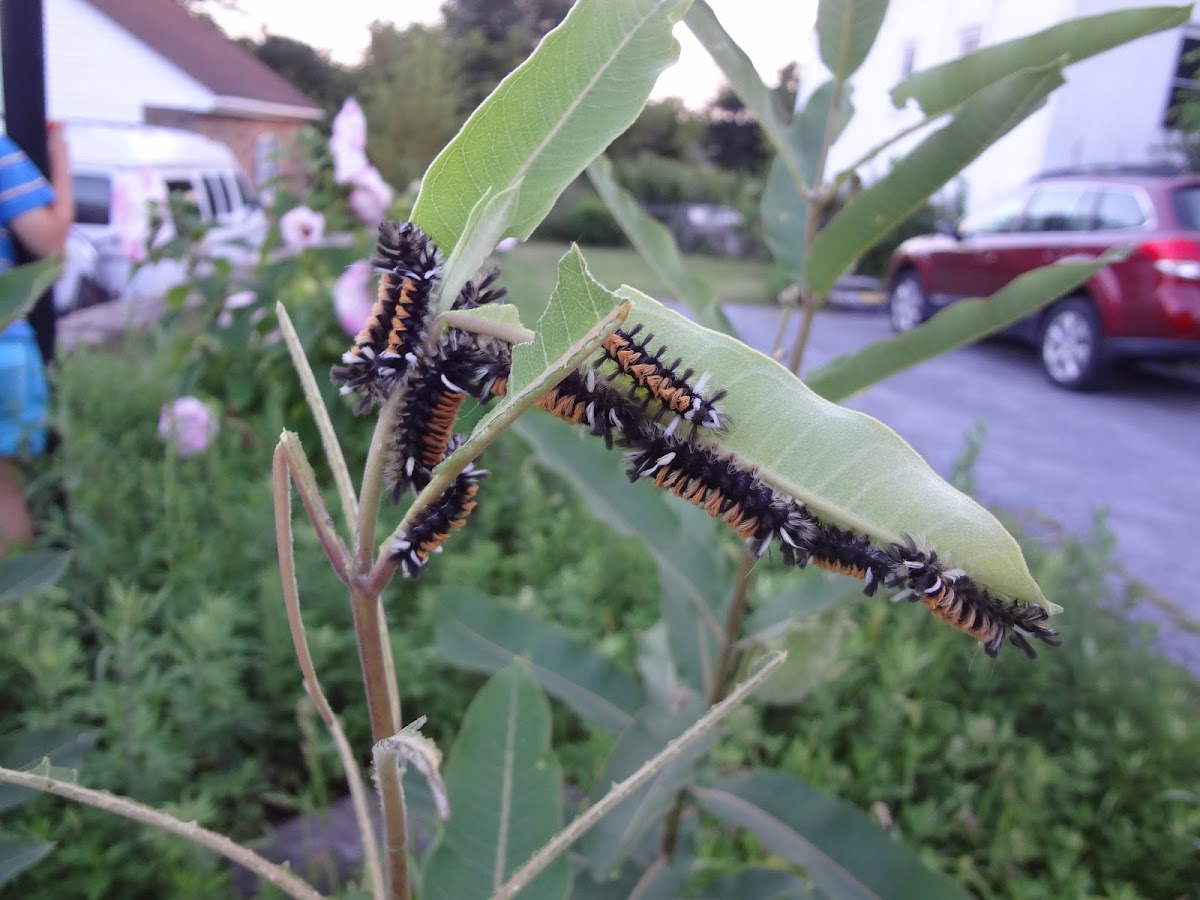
(22, 43)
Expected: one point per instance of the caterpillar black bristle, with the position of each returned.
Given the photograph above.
(480, 291)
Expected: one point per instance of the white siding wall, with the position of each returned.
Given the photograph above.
(95, 70)
(1109, 110)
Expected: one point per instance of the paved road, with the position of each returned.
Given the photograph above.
(1134, 449)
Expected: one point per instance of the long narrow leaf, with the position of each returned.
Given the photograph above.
(618, 834)
(65, 747)
(20, 288)
(695, 581)
(843, 851)
(17, 856)
(505, 796)
(942, 88)
(759, 99)
(584, 84)
(784, 207)
(955, 326)
(474, 631)
(658, 248)
(983, 120)
(847, 467)
(37, 569)
(846, 30)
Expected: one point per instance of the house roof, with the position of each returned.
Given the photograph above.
(198, 48)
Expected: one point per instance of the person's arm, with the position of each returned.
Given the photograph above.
(43, 229)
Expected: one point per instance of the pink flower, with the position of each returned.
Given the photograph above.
(239, 300)
(132, 196)
(188, 425)
(352, 298)
(371, 196)
(301, 228)
(348, 144)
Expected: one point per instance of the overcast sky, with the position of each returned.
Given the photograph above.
(772, 32)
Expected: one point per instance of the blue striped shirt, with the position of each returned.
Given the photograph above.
(22, 188)
(23, 392)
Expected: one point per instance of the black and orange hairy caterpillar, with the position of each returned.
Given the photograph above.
(426, 535)
(664, 382)
(716, 484)
(581, 400)
(390, 343)
(433, 395)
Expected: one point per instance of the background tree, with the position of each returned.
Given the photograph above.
(665, 128)
(491, 37)
(412, 92)
(732, 138)
(311, 71)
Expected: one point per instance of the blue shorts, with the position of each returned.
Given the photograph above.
(23, 392)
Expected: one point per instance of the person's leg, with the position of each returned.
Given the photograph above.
(16, 527)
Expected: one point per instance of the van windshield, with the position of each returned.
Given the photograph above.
(93, 199)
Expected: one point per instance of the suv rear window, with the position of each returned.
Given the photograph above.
(1187, 207)
(93, 198)
(1119, 209)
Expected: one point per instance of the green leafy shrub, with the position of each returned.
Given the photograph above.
(581, 216)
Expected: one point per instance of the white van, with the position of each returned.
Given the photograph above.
(176, 161)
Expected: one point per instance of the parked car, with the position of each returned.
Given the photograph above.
(163, 162)
(1144, 308)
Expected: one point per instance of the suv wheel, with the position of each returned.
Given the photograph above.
(1072, 345)
(908, 306)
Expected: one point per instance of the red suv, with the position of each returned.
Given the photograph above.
(1147, 307)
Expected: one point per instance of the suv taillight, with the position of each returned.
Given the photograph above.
(1174, 257)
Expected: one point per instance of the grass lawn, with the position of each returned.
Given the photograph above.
(530, 270)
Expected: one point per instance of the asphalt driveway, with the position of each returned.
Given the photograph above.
(1134, 449)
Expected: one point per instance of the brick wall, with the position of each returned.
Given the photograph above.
(241, 136)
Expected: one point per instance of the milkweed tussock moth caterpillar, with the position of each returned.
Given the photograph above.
(764, 517)
(433, 395)
(390, 342)
(719, 486)
(952, 596)
(581, 400)
(664, 382)
(420, 539)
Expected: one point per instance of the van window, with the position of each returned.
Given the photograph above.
(249, 198)
(216, 197)
(93, 199)
(182, 189)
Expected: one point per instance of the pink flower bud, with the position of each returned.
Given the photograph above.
(371, 197)
(352, 297)
(188, 425)
(348, 143)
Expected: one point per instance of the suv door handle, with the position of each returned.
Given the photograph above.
(990, 256)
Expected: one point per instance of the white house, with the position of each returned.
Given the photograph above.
(1111, 111)
(151, 62)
